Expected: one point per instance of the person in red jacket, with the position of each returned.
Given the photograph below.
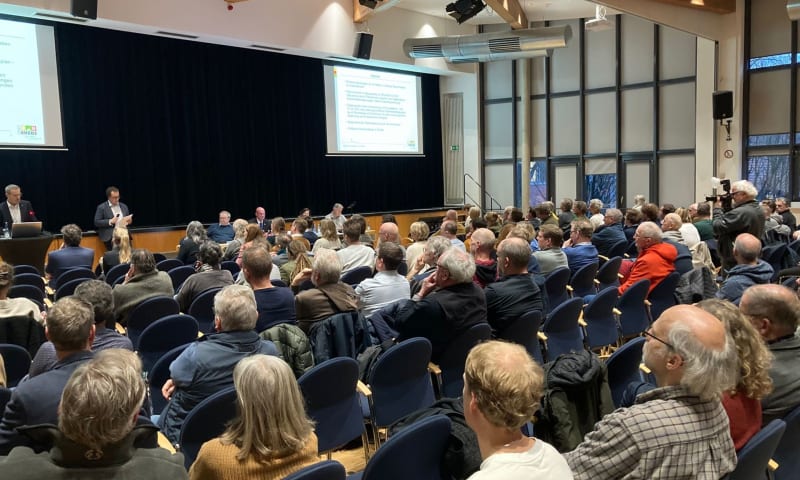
(656, 259)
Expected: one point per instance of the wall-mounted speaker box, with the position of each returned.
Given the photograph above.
(723, 104)
(363, 46)
(84, 8)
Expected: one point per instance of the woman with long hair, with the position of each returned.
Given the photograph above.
(239, 231)
(298, 260)
(190, 245)
(120, 253)
(329, 238)
(252, 236)
(271, 437)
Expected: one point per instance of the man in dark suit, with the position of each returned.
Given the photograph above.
(110, 214)
(70, 255)
(261, 220)
(14, 209)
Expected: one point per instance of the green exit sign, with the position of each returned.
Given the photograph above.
(453, 148)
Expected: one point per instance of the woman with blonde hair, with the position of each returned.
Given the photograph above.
(252, 236)
(418, 233)
(271, 437)
(329, 238)
(120, 253)
(239, 232)
(297, 252)
(743, 403)
(473, 214)
(14, 307)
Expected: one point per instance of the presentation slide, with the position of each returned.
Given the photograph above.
(372, 112)
(30, 104)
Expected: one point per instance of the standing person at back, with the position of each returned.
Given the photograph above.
(746, 216)
(109, 215)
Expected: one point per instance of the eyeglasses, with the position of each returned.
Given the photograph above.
(647, 332)
(734, 193)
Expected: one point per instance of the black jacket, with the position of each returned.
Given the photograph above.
(745, 218)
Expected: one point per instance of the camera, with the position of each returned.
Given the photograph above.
(725, 198)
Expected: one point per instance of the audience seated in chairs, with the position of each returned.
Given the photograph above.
(550, 255)
(425, 264)
(70, 255)
(774, 310)
(142, 281)
(750, 269)
(96, 293)
(271, 437)
(329, 295)
(387, 286)
(679, 430)
(515, 293)
(609, 233)
(632, 220)
(355, 254)
(502, 390)
(579, 249)
(702, 221)
(418, 233)
(209, 275)
(222, 232)
(190, 244)
(656, 258)
(481, 247)
(15, 307)
(96, 435)
(447, 304)
(239, 231)
(120, 253)
(254, 236)
(298, 260)
(206, 366)
(274, 304)
(329, 238)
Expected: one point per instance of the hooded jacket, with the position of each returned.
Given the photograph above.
(741, 277)
(654, 264)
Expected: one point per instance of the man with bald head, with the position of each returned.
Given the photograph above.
(388, 232)
(678, 430)
(260, 219)
(775, 311)
(481, 246)
(516, 292)
(656, 259)
(749, 270)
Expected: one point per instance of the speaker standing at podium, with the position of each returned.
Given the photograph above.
(14, 209)
(110, 214)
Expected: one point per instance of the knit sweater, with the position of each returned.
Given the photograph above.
(218, 461)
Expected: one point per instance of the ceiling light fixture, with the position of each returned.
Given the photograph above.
(463, 10)
(699, 3)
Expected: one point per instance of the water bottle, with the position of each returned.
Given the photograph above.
(6, 231)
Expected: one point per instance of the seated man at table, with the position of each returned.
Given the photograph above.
(221, 232)
(70, 255)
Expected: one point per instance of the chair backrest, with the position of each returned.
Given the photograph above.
(17, 361)
(158, 375)
(452, 359)
(168, 264)
(23, 331)
(326, 470)
(793, 245)
(607, 274)
(148, 312)
(178, 275)
(5, 396)
(524, 331)
(582, 282)
(632, 250)
(332, 402)
(623, 368)
(18, 269)
(29, 279)
(26, 291)
(163, 335)
(663, 295)
(116, 272)
(757, 452)
(306, 285)
(278, 283)
(555, 286)
(786, 453)
(415, 452)
(601, 325)
(159, 257)
(773, 254)
(230, 266)
(633, 318)
(618, 249)
(357, 275)
(202, 309)
(72, 274)
(68, 288)
(205, 421)
(400, 381)
(562, 329)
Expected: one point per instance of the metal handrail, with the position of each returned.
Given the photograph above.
(492, 201)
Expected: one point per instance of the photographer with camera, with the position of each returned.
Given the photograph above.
(735, 213)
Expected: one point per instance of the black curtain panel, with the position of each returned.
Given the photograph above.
(185, 129)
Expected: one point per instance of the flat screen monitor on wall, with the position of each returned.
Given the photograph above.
(30, 103)
(372, 112)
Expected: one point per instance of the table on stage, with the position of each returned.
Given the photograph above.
(26, 251)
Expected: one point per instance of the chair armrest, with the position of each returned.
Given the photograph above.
(616, 311)
(541, 336)
(772, 465)
(581, 321)
(48, 303)
(596, 281)
(569, 288)
(647, 302)
(163, 442)
(363, 389)
(644, 368)
(434, 369)
(603, 258)
(120, 329)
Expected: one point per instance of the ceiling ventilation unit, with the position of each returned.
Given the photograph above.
(488, 47)
(599, 22)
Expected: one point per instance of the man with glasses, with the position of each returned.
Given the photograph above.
(782, 207)
(656, 259)
(579, 248)
(680, 429)
(775, 312)
(746, 216)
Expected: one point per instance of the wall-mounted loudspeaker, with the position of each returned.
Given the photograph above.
(84, 8)
(363, 46)
(723, 104)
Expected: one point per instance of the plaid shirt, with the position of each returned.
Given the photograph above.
(668, 434)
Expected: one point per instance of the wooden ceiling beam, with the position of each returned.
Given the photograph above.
(716, 6)
(510, 11)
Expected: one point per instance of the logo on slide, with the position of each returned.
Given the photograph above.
(28, 130)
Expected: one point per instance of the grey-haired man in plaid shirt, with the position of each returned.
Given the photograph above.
(679, 430)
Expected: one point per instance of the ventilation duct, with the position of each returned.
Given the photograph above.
(793, 9)
(486, 47)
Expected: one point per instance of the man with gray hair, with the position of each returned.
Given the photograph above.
(329, 295)
(222, 231)
(774, 311)
(206, 366)
(609, 233)
(14, 209)
(595, 209)
(426, 263)
(749, 270)
(142, 281)
(447, 304)
(70, 255)
(336, 216)
(655, 261)
(516, 292)
(746, 216)
(680, 429)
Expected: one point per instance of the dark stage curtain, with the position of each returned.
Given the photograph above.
(186, 129)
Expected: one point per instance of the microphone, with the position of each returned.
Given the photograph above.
(353, 204)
